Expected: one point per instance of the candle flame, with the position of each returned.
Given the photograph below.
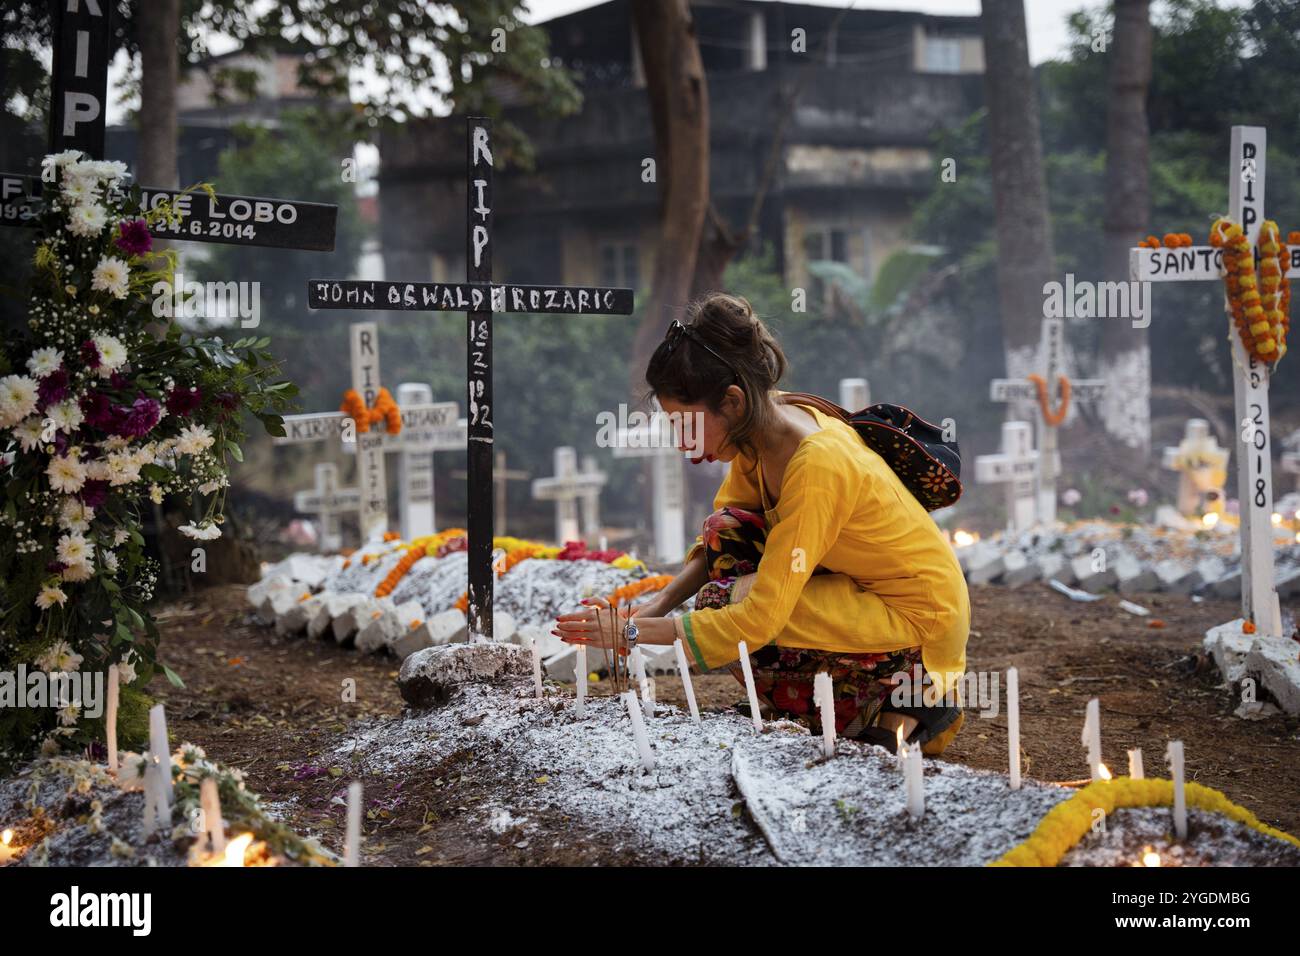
(7, 837)
(235, 849)
(1210, 519)
(1103, 771)
(898, 732)
(1277, 519)
(1150, 857)
(962, 539)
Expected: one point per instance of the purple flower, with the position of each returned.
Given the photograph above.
(182, 401)
(97, 411)
(1139, 497)
(140, 419)
(133, 237)
(118, 380)
(93, 493)
(90, 354)
(52, 389)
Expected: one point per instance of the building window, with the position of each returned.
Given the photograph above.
(942, 55)
(620, 265)
(822, 245)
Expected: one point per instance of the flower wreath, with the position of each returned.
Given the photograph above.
(1052, 418)
(1259, 302)
(384, 410)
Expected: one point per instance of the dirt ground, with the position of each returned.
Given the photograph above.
(272, 705)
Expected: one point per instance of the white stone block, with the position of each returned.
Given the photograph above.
(1177, 577)
(1229, 646)
(1090, 580)
(1277, 662)
(1133, 576)
(294, 616)
(352, 619)
(1018, 569)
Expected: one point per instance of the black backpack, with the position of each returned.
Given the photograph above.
(915, 449)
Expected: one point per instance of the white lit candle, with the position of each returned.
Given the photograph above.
(684, 669)
(1174, 755)
(915, 784)
(214, 829)
(1092, 737)
(154, 795)
(638, 672)
(900, 750)
(7, 852)
(824, 698)
(352, 844)
(160, 748)
(638, 730)
(110, 719)
(537, 666)
(749, 686)
(580, 675)
(1135, 770)
(1013, 725)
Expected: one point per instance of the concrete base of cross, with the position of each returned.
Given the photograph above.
(1273, 663)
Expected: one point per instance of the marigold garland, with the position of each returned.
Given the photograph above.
(634, 589)
(1172, 240)
(1259, 302)
(1070, 821)
(1052, 418)
(384, 410)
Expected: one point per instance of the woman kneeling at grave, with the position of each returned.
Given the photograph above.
(818, 556)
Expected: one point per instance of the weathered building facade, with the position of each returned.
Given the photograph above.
(871, 88)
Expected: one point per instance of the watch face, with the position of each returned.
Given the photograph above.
(633, 632)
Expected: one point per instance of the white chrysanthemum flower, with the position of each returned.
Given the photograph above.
(122, 468)
(44, 361)
(74, 549)
(110, 560)
(120, 537)
(65, 158)
(97, 470)
(112, 354)
(76, 573)
(17, 399)
(109, 170)
(50, 595)
(79, 190)
(88, 219)
(156, 493)
(113, 276)
(28, 432)
(146, 454)
(68, 715)
(75, 516)
(194, 439)
(205, 531)
(66, 474)
(67, 416)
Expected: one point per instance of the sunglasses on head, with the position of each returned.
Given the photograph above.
(675, 332)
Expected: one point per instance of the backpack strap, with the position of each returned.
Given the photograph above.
(822, 405)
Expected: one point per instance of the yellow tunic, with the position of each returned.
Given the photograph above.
(894, 580)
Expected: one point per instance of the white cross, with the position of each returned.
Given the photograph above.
(328, 502)
(1259, 601)
(855, 394)
(1015, 466)
(1051, 362)
(566, 488)
(427, 427)
(657, 441)
(501, 476)
(1202, 466)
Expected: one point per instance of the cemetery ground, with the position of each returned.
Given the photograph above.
(273, 707)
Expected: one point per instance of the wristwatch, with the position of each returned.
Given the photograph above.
(630, 633)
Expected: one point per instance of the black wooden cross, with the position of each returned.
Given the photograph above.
(82, 30)
(479, 298)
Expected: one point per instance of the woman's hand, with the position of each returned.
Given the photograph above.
(593, 626)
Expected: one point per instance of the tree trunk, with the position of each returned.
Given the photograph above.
(1023, 231)
(679, 109)
(1125, 361)
(159, 34)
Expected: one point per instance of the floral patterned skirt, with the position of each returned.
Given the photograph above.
(783, 676)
